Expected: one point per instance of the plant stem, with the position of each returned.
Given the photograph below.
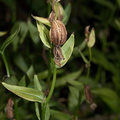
(88, 65)
(90, 55)
(53, 83)
(6, 64)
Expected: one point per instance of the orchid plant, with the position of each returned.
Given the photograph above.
(53, 34)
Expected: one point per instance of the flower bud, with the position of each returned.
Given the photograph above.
(88, 94)
(57, 55)
(58, 33)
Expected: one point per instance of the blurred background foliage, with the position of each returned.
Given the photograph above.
(27, 56)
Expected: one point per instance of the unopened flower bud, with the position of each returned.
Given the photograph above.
(58, 33)
(88, 94)
(9, 109)
(89, 98)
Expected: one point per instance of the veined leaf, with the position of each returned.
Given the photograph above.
(67, 50)
(8, 41)
(26, 93)
(91, 40)
(44, 34)
(42, 20)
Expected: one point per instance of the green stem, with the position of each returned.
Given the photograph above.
(6, 64)
(90, 55)
(53, 83)
(88, 65)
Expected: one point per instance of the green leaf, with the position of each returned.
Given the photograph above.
(117, 23)
(21, 63)
(109, 97)
(44, 34)
(30, 73)
(45, 111)
(8, 41)
(67, 50)
(37, 86)
(118, 1)
(37, 83)
(73, 97)
(33, 32)
(2, 33)
(37, 110)
(11, 80)
(79, 47)
(42, 75)
(74, 76)
(63, 80)
(22, 82)
(42, 20)
(99, 58)
(60, 115)
(75, 83)
(91, 40)
(67, 13)
(26, 93)
(58, 10)
(23, 30)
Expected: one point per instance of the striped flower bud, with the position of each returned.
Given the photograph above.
(58, 33)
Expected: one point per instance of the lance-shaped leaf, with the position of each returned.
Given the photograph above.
(45, 114)
(45, 111)
(66, 15)
(26, 93)
(67, 50)
(42, 20)
(91, 40)
(33, 32)
(60, 115)
(37, 86)
(44, 34)
(8, 41)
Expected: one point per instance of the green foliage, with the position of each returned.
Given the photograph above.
(67, 50)
(110, 97)
(8, 41)
(28, 72)
(26, 93)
